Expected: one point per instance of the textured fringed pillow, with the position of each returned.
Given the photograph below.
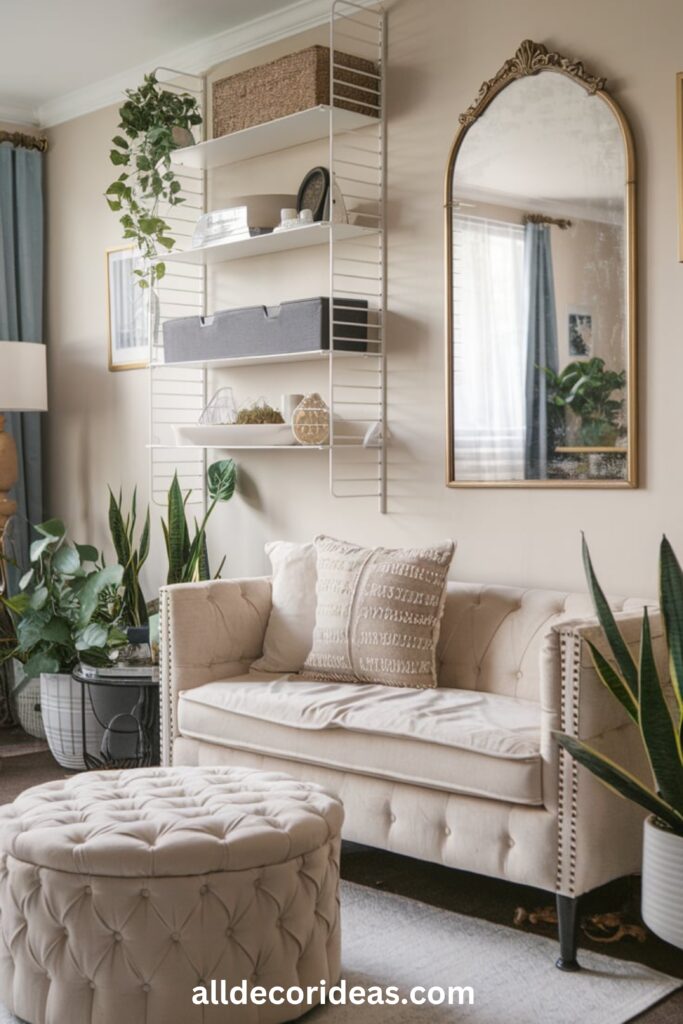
(378, 613)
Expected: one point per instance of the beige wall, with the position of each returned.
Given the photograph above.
(439, 53)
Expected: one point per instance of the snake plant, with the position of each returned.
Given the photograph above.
(130, 557)
(188, 558)
(653, 704)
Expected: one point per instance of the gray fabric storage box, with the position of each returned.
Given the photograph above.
(299, 326)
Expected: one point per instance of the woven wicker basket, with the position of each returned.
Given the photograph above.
(293, 83)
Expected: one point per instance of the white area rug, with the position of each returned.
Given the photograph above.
(390, 940)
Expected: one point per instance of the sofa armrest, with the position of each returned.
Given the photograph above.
(573, 697)
(207, 631)
(598, 833)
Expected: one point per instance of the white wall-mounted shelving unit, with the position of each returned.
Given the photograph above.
(355, 381)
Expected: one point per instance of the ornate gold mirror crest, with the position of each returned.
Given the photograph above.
(541, 282)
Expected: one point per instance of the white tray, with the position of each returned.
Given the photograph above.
(231, 435)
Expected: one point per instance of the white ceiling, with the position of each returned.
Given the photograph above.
(61, 58)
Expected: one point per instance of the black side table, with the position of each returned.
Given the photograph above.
(122, 714)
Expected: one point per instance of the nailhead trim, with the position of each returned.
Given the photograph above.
(568, 775)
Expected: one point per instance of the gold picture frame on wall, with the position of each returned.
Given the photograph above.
(127, 310)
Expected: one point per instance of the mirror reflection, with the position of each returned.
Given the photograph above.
(539, 323)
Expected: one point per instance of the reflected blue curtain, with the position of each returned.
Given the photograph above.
(21, 317)
(541, 348)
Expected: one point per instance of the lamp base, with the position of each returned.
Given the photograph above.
(9, 474)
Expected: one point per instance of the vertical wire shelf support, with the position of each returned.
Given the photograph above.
(357, 386)
(178, 394)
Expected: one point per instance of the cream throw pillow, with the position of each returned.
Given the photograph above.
(289, 633)
(378, 613)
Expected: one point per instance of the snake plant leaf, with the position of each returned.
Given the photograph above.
(176, 533)
(620, 781)
(221, 477)
(117, 530)
(143, 549)
(613, 681)
(66, 561)
(617, 644)
(204, 570)
(89, 593)
(660, 739)
(671, 593)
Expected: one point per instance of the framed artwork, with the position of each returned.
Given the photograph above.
(580, 332)
(127, 310)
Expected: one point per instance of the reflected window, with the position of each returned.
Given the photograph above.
(489, 348)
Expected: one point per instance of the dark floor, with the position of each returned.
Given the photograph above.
(474, 895)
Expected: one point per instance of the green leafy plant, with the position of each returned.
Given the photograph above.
(188, 558)
(587, 388)
(644, 696)
(67, 608)
(131, 557)
(148, 119)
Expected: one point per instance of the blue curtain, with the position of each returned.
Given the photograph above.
(541, 348)
(21, 317)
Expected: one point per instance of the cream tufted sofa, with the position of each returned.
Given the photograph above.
(467, 775)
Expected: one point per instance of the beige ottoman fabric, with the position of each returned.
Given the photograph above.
(122, 891)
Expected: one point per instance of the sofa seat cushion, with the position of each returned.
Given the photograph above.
(454, 740)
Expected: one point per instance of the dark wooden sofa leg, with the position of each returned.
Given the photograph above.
(567, 926)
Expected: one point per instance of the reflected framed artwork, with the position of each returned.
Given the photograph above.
(127, 310)
(580, 332)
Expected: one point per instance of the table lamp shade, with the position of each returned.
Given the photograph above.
(23, 377)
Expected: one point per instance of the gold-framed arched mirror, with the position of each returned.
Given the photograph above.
(541, 282)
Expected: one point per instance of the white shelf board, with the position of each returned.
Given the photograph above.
(293, 130)
(315, 355)
(296, 238)
(250, 447)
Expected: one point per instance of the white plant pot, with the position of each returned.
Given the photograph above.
(662, 907)
(60, 702)
(26, 704)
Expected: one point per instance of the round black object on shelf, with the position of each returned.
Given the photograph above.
(312, 194)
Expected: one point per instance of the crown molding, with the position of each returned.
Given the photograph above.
(18, 113)
(196, 58)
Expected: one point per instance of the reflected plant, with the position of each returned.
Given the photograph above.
(587, 388)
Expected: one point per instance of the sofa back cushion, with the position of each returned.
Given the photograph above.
(491, 636)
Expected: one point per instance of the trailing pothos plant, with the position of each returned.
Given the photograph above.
(67, 608)
(143, 151)
(655, 706)
(188, 557)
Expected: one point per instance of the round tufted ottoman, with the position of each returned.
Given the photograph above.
(121, 892)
